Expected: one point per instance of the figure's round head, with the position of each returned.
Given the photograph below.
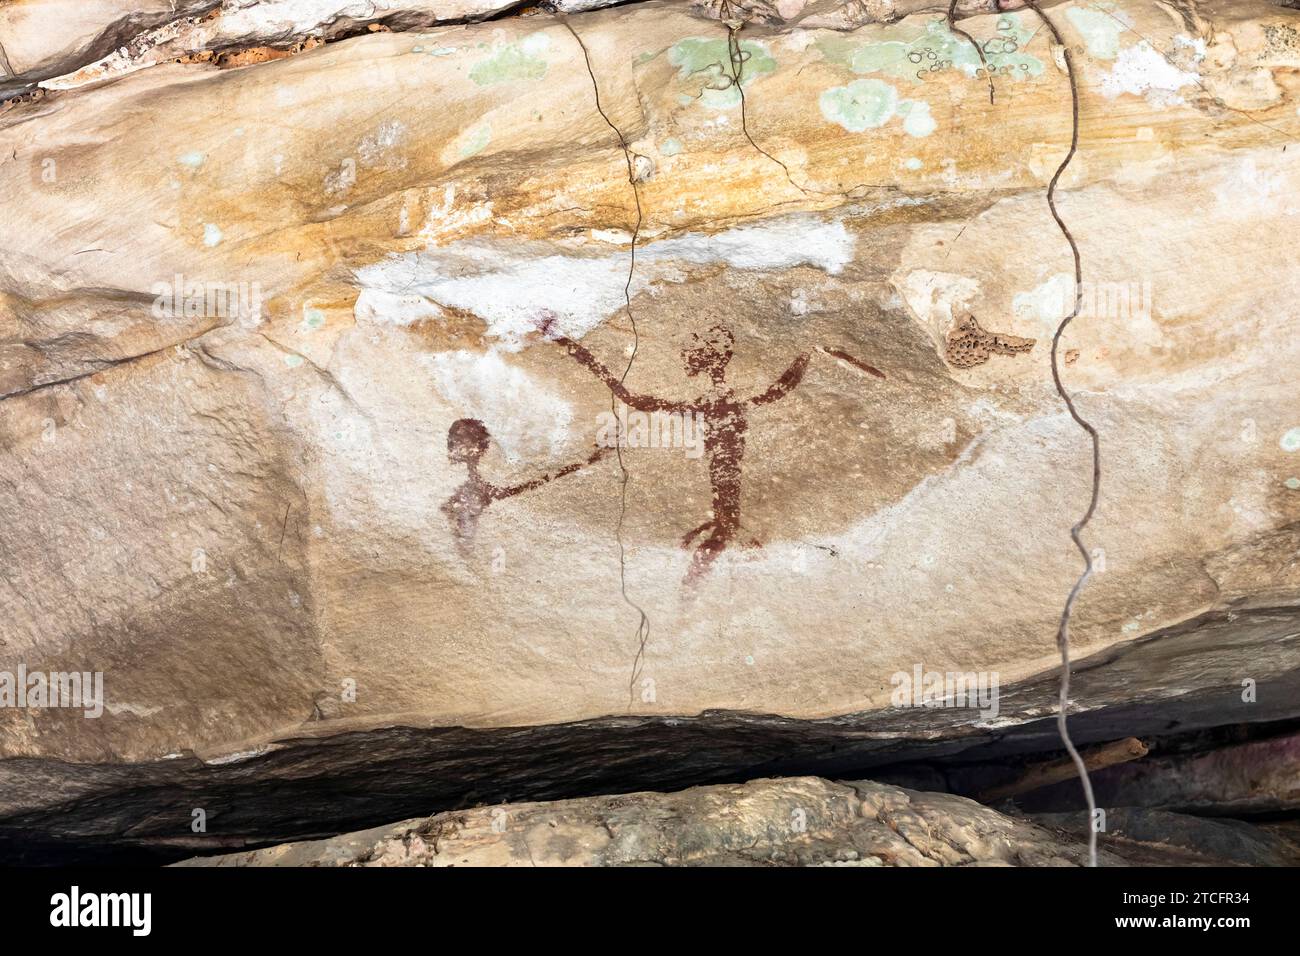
(467, 440)
(709, 352)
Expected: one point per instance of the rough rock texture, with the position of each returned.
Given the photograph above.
(802, 821)
(254, 511)
(1156, 837)
(61, 44)
(1261, 777)
(51, 809)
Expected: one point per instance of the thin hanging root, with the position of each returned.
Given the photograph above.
(1063, 631)
(979, 50)
(737, 58)
(643, 624)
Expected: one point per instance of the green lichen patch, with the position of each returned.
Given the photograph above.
(1100, 28)
(918, 56)
(861, 105)
(706, 61)
(513, 62)
(870, 104)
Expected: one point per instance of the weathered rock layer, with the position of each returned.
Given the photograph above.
(306, 371)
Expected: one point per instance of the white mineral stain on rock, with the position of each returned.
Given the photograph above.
(1250, 505)
(1247, 191)
(936, 298)
(382, 301)
(193, 159)
(510, 296)
(1291, 440)
(342, 179)
(513, 289)
(527, 420)
(1144, 71)
(1045, 304)
(777, 244)
(1125, 306)
(237, 757)
(373, 148)
(917, 120)
(211, 234)
(448, 216)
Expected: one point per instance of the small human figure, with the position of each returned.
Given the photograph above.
(725, 424)
(467, 443)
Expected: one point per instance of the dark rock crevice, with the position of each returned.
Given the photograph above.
(310, 787)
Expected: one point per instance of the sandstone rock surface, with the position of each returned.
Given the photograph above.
(242, 311)
(794, 822)
(1161, 838)
(1260, 777)
(61, 44)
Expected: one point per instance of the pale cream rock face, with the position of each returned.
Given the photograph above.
(241, 515)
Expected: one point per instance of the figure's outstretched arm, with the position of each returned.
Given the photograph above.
(782, 387)
(499, 492)
(642, 403)
(509, 492)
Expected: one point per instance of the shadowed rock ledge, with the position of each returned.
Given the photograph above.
(319, 785)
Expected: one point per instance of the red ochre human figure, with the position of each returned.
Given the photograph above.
(467, 443)
(725, 424)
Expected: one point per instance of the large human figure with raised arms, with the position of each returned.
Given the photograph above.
(725, 424)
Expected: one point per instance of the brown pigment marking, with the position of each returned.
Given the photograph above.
(455, 328)
(969, 345)
(725, 424)
(467, 443)
(855, 362)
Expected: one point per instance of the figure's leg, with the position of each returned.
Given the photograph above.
(704, 556)
(696, 532)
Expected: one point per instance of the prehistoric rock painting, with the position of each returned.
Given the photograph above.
(857, 363)
(969, 345)
(725, 421)
(467, 443)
